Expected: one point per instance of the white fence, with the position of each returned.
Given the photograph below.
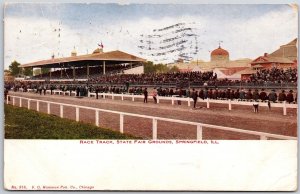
(173, 99)
(199, 126)
(208, 101)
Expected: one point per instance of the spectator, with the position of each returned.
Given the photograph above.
(282, 96)
(290, 97)
(154, 94)
(195, 96)
(263, 95)
(242, 95)
(145, 95)
(272, 96)
(255, 95)
(249, 95)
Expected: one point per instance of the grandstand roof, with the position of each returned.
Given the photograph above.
(113, 57)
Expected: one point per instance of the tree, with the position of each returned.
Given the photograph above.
(27, 71)
(14, 68)
(174, 69)
(149, 67)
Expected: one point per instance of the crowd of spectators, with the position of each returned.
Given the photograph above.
(156, 78)
(240, 94)
(264, 77)
(275, 75)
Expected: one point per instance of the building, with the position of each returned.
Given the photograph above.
(98, 62)
(219, 63)
(285, 57)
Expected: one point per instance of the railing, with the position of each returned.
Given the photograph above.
(199, 126)
(229, 102)
(59, 92)
(173, 99)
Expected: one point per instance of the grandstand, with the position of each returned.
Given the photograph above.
(85, 66)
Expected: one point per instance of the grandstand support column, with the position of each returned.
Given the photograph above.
(87, 71)
(74, 72)
(50, 73)
(103, 67)
(60, 72)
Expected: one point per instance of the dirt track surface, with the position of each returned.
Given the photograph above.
(242, 117)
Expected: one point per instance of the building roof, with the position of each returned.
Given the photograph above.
(231, 71)
(219, 51)
(288, 50)
(271, 59)
(114, 57)
(247, 71)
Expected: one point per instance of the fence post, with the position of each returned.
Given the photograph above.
(20, 102)
(207, 102)
(77, 114)
(122, 96)
(37, 106)
(103, 95)
(97, 118)
(7, 99)
(199, 132)
(48, 108)
(112, 96)
(28, 104)
(61, 111)
(172, 100)
(132, 97)
(157, 97)
(154, 128)
(189, 101)
(121, 123)
(262, 137)
(13, 100)
(229, 104)
(284, 107)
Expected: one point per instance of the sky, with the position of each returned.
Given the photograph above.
(36, 31)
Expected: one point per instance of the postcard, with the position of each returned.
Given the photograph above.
(150, 97)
